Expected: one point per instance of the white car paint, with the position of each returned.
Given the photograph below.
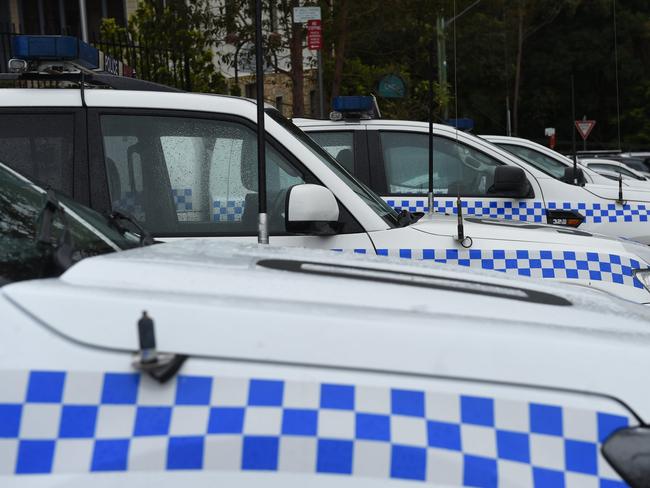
(324, 373)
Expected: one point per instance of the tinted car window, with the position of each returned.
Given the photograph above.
(185, 176)
(21, 256)
(457, 168)
(39, 146)
(339, 145)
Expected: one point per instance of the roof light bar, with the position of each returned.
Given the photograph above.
(55, 48)
(356, 107)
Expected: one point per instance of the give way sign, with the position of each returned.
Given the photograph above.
(585, 127)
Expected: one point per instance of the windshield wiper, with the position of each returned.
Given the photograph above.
(117, 216)
(406, 218)
(64, 248)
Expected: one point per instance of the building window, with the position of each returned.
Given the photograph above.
(279, 104)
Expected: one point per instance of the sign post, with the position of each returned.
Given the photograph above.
(312, 17)
(550, 133)
(585, 127)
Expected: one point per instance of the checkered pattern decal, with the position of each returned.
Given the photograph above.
(130, 202)
(227, 210)
(537, 264)
(182, 199)
(527, 210)
(79, 422)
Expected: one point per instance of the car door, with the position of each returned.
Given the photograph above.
(184, 174)
(400, 174)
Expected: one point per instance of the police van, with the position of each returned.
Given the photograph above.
(185, 165)
(141, 368)
(392, 157)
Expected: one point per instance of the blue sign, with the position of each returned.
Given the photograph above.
(392, 86)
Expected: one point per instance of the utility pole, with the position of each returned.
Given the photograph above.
(83, 16)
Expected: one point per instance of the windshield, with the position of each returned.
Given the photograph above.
(614, 168)
(373, 200)
(21, 255)
(542, 162)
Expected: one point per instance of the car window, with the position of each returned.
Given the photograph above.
(339, 145)
(39, 146)
(542, 162)
(21, 257)
(186, 176)
(616, 169)
(457, 167)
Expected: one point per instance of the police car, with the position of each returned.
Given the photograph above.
(554, 163)
(142, 368)
(185, 166)
(609, 166)
(392, 157)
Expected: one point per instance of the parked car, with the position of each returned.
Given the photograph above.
(185, 165)
(260, 366)
(392, 157)
(609, 166)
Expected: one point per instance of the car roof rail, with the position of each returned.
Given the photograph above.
(92, 79)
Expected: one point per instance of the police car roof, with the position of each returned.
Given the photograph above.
(322, 308)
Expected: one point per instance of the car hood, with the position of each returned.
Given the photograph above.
(514, 231)
(260, 303)
(633, 191)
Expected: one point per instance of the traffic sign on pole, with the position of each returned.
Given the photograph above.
(305, 14)
(585, 127)
(314, 35)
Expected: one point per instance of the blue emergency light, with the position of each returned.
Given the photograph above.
(461, 124)
(355, 106)
(55, 48)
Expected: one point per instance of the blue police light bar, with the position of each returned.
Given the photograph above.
(356, 104)
(461, 124)
(55, 48)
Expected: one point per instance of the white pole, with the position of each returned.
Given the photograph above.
(321, 95)
(84, 20)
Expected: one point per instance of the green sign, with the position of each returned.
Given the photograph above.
(392, 86)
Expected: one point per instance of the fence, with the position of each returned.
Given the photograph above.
(167, 66)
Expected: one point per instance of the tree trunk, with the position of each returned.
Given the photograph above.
(297, 73)
(520, 51)
(339, 50)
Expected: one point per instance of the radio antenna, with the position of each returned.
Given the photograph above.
(430, 194)
(262, 226)
(573, 130)
(618, 105)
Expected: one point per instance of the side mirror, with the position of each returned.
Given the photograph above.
(572, 174)
(628, 452)
(510, 181)
(311, 210)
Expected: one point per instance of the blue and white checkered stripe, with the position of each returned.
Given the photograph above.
(227, 210)
(80, 422)
(182, 199)
(536, 264)
(527, 210)
(130, 202)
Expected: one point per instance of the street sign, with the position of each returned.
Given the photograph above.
(391, 86)
(314, 35)
(585, 127)
(302, 15)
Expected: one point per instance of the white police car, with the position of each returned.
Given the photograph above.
(261, 366)
(609, 166)
(185, 165)
(392, 157)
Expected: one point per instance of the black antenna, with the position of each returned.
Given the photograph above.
(461, 228)
(618, 105)
(430, 195)
(620, 189)
(262, 227)
(573, 130)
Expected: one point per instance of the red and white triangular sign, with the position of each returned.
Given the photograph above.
(585, 127)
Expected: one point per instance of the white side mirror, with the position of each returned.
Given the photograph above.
(311, 210)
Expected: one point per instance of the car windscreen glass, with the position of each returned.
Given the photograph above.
(374, 201)
(542, 162)
(616, 169)
(21, 256)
